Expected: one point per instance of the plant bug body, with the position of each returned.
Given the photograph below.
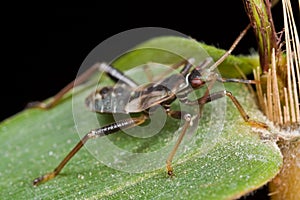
(129, 97)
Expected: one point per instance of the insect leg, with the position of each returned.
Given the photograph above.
(217, 95)
(234, 80)
(117, 75)
(188, 64)
(114, 73)
(177, 115)
(83, 77)
(148, 72)
(105, 130)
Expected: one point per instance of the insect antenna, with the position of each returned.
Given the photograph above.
(225, 55)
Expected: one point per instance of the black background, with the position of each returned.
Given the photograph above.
(44, 45)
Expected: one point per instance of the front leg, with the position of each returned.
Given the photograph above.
(214, 96)
(177, 115)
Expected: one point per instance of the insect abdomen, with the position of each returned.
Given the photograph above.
(109, 100)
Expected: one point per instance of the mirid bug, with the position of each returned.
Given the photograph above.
(129, 97)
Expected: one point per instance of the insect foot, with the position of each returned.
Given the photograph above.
(170, 169)
(43, 178)
(37, 104)
(257, 124)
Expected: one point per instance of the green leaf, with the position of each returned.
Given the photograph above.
(221, 164)
(170, 49)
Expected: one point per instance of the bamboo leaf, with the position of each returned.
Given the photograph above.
(222, 164)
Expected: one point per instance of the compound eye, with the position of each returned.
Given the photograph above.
(196, 82)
